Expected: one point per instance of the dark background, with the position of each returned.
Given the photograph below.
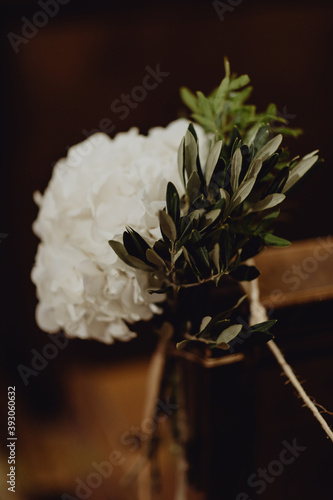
(66, 77)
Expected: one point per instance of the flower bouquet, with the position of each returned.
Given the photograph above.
(165, 227)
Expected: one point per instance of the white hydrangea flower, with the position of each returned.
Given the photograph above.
(100, 187)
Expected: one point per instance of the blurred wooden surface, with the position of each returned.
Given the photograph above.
(301, 274)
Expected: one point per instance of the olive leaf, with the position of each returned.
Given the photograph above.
(274, 241)
(269, 148)
(215, 256)
(189, 99)
(190, 153)
(154, 258)
(254, 169)
(130, 260)
(193, 186)
(239, 82)
(135, 244)
(241, 194)
(300, 169)
(236, 167)
(212, 161)
(181, 160)
(225, 196)
(173, 202)
(167, 225)
(269, 201)
(228, 334)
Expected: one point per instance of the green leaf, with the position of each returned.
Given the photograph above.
(236, 167)
(130, 260)
(135, 244)
(154, 258)
(266, 223)
(168, 227)
(278, 182)
(193, 132)
(271, 216)
(271, 109)
(189, 99)
(172, 199)
(229, 334)
(204, 105)
(263, 327)
(225, 197)
(299, 170)
(274, 241)
(257, 334)
(199, 253)
(207, 123)
(185, 235)
(261, 137)
(269, 201)
(268, 165)
(242, 193)
(269, 148)
(191, 152)
(204, 322)
(212, 161)
(240, 97)
(221, 94)
(239, 82)
(287, 131)
(215, 255)
(158, 291)
(252, 133)
(162, 248)
(235, 141)
(139, 264)
(189, 259)
(221, 317)
(193, 186)
(178, 254)
(210, 218)
(181, 345)
(181, 161)
(254, 169)
(120, 250)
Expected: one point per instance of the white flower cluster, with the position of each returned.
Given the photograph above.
(103, 185)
